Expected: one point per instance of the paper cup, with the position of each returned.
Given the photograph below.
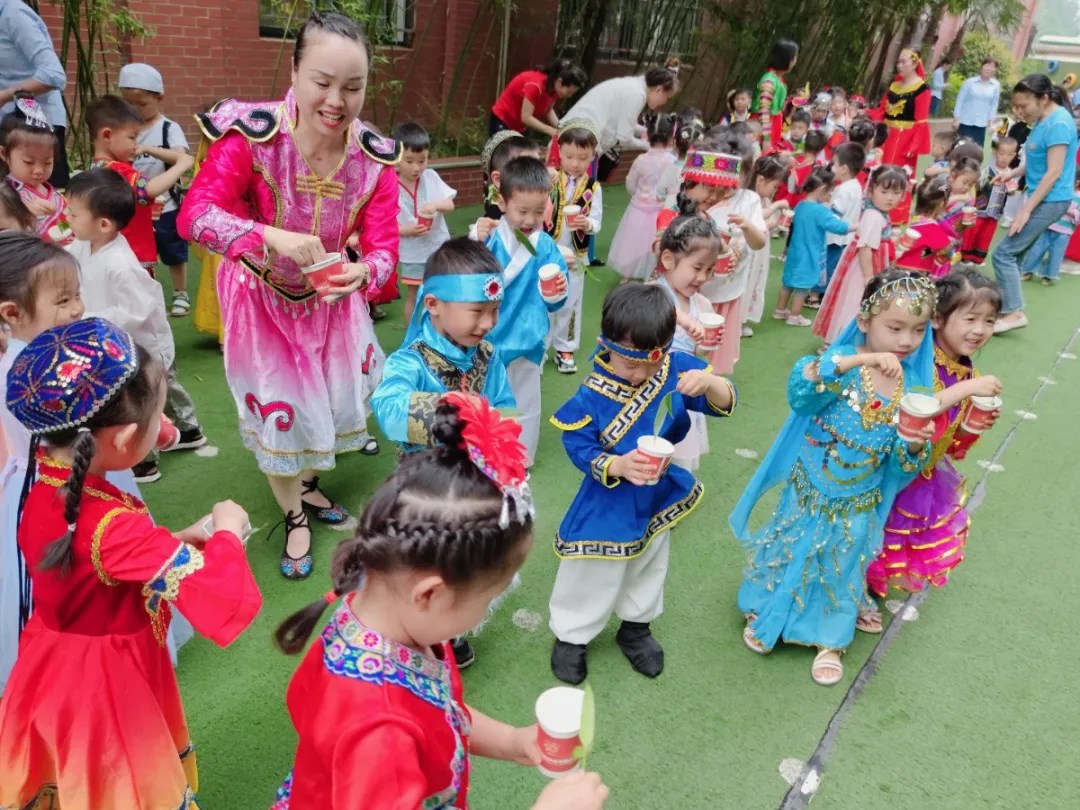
(787, 216)
(714, 326)
(907, 240)
(1012, 185)
(724, 263)
(658, 453)
(208, 530)
(558, 719)
(916, 412)
(157, 208)
(318, 275)
(980, 414)
(549, 283)
(968, 213)
(168, 434)
(571, 211)
(423, 221)
(569, 255)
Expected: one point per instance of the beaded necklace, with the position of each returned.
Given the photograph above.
(864, 400)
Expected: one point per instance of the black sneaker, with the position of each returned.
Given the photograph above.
(564, 362)
(636, 641)
(464, 654)
(146, 473)
(189, 440)
(569, 662)
(596, 263)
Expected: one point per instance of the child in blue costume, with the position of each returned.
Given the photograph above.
(445, 348)
(613, 543)
(521, 333)
(843, 464)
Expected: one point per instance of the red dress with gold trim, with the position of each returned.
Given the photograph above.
(906, 110)
(381, 725)
(92, 718)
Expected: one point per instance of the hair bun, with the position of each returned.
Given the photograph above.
(448, 427)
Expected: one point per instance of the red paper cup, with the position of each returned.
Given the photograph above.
(571, 211)
(168, 434)
(657, 452)
(714, 327)
(318, 275)
(907, 240)
(980, 414)
(724, 263)
(968, 214)
(157, 207)
(549, 283)
(1012, 185)
(558, 719)
(423, 221)
(916, 412)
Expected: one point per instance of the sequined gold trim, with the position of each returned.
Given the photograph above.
(165, 584)
(95, 545)
(734, 398)
(570, 425)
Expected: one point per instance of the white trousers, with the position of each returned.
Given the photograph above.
(587, 592)
(524, 379)
(566, 322)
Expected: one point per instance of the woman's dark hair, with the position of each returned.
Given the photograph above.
(105, 194)
(964, 164)
(1036, 84)
(820, 177)
(461, 257)
(638, 315)
(663, 77)
(1063, 98)
(12, 206)
(965, 286)
(16, 130)
(988, 61)
(565, 71)
(862, 133)
(438, 512)
(135, 403)
(330, 22)
(736, 92)
(782, 55)
(816, 141)
(852, 156)
(887, 178)
(661, 128)
(930, 195)
(412, 137)
(686, 233)
(768, 168)
(25, 261)
(523, 174)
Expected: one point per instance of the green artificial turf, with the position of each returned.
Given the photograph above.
(957, 706)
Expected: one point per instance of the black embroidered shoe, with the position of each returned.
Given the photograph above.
(636, 641)
(568, 662)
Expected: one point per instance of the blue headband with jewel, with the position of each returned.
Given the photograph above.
(636, 355)
(465, 289)
(69, 373)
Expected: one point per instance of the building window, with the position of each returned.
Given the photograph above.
(636, 30)
(387, 22)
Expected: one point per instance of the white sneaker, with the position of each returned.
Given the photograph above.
(797, 320)
(1006, 323)
(780, 314)
(564, 363)
(747, 331)
(1070, 268)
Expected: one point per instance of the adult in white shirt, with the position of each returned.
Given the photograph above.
(977, 103)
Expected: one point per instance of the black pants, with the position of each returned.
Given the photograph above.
(495, 124)
(61, 171)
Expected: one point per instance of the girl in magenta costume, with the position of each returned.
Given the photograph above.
(927, 529)
(933, 250)
(284, 184)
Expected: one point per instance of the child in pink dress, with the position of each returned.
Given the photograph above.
(933, 249)
(868, 254)
(631, 249)
(27, 146)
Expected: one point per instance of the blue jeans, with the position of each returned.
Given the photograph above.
(833, 253)
(935, 103)
(977, 134)
(1011, 249)
(1050, 245)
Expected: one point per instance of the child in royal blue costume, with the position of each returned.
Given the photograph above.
(613, 542)
(842, 463)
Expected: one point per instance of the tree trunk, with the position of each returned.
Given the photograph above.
(595, 20)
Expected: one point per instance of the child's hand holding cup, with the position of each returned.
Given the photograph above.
(552, 283)
(231, 517)
(575, 220)
(425, 216)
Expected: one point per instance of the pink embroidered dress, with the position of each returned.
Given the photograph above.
(301, 371)
(52, 227)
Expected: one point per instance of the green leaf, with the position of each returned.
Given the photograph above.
(525, 241)
(588, 724)
(509, 413)
(662, 412)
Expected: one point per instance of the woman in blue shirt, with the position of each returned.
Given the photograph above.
(977, 103)
(1049, 169)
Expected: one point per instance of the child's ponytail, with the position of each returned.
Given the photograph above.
(58, 554)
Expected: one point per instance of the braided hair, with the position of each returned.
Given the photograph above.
(688, 233)
(437, 512)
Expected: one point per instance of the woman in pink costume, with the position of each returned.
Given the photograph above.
(284, 184)
(927, 529)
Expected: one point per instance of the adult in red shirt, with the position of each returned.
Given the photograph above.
(528, 100)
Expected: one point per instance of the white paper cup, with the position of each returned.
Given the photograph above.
(558, 719)
(916, 412)
(968, 213)
(549, 283)
(318, 276)
(208, 530)
(907, 240)
(979, 415)
(657, 452)
(714, 325)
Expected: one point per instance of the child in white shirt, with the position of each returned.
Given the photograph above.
(847, 202)
(115, 286)
(423, 199)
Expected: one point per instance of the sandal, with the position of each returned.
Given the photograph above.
(333, 515)
(371, 448)
(295, 568)
(829, 661)
(869, 621)
(750, 640)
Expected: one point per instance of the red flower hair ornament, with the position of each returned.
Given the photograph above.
(492, 442)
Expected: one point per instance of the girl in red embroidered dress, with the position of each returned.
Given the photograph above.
(92, 717)
(377, 702)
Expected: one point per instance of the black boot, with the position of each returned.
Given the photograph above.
(568, 662)
(637, 643)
